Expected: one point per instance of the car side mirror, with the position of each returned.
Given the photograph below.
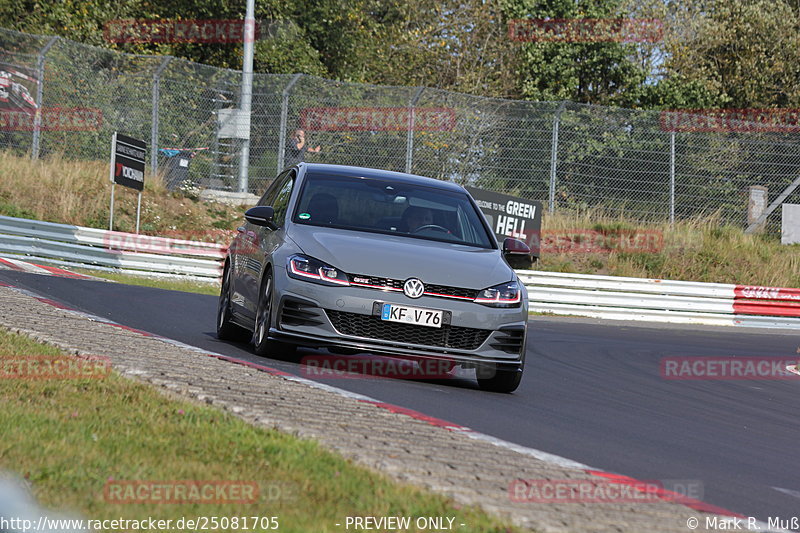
(517, 254)
(261, 215)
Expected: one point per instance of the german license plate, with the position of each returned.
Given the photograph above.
(412, 315)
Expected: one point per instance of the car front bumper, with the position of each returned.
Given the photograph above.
(349, 317)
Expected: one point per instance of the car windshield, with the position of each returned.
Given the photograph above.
(386, 206)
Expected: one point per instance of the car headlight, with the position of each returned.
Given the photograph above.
(503, 295)
(315, 271)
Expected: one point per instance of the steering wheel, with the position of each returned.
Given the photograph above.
(431, 226)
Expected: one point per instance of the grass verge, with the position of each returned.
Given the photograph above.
(59, 189)
(171, 284)
(69, 438)
(693, 250)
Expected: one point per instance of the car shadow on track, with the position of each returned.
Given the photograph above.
(327, 366)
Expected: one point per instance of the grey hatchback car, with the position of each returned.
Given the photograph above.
(364, 260)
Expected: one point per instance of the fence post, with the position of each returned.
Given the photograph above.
(246, 98)
(410, 136)
(284, 118)
(155, 111)
(37, 119)
(672, 177)
(554, 156)
(773, 206)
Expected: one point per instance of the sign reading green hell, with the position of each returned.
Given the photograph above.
(511, 216)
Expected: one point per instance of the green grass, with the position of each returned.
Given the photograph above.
(703, 249)
(68, 438)
(68, 191)
(159, 283)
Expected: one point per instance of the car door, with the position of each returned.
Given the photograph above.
(263, 241)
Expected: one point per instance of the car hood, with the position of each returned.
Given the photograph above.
(398, 257)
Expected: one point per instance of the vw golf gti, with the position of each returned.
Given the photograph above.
(364, 260)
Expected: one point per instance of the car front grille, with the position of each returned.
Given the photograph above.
(441, 291)
(453, 292)
(372, 327)
(376, 282)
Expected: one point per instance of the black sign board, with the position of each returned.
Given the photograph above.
(511, 216)
(128, 161)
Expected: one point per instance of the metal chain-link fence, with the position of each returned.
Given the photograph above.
(567, 155)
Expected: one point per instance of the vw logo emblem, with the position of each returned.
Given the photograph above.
(413, 288)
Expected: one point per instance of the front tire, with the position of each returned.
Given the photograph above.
(264, 346)
(227, 330)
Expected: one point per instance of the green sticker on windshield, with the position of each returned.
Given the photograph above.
(303, 216)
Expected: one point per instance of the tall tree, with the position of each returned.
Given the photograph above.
(594, 71)
(460, 45)
(744, 53)
(288, 50)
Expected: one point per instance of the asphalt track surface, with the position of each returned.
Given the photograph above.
(592, 392)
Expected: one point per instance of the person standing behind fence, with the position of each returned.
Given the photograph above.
(297, 147)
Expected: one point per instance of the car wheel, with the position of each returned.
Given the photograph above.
(498, 379)
(264, 346)
(227, 330)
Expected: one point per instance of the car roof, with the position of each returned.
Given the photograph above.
(363, 172)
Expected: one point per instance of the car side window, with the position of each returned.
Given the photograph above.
(281, 202)
(272, 191)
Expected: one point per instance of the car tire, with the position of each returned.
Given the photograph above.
(264, 346)
(499, 379)
(227, 330)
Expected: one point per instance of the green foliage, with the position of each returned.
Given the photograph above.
(714, 53)
(457, 45)
(81, 20)
(288, 56)
(10, 210)
(677, 92)
(733, 54)
(587, 72)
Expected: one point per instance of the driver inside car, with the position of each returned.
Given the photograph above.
(415, 217)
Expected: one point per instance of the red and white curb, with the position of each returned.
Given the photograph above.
(557, 460)
(32, 268)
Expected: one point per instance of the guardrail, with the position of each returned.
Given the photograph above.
(76, 246)
(660, 300)
(560, 293)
